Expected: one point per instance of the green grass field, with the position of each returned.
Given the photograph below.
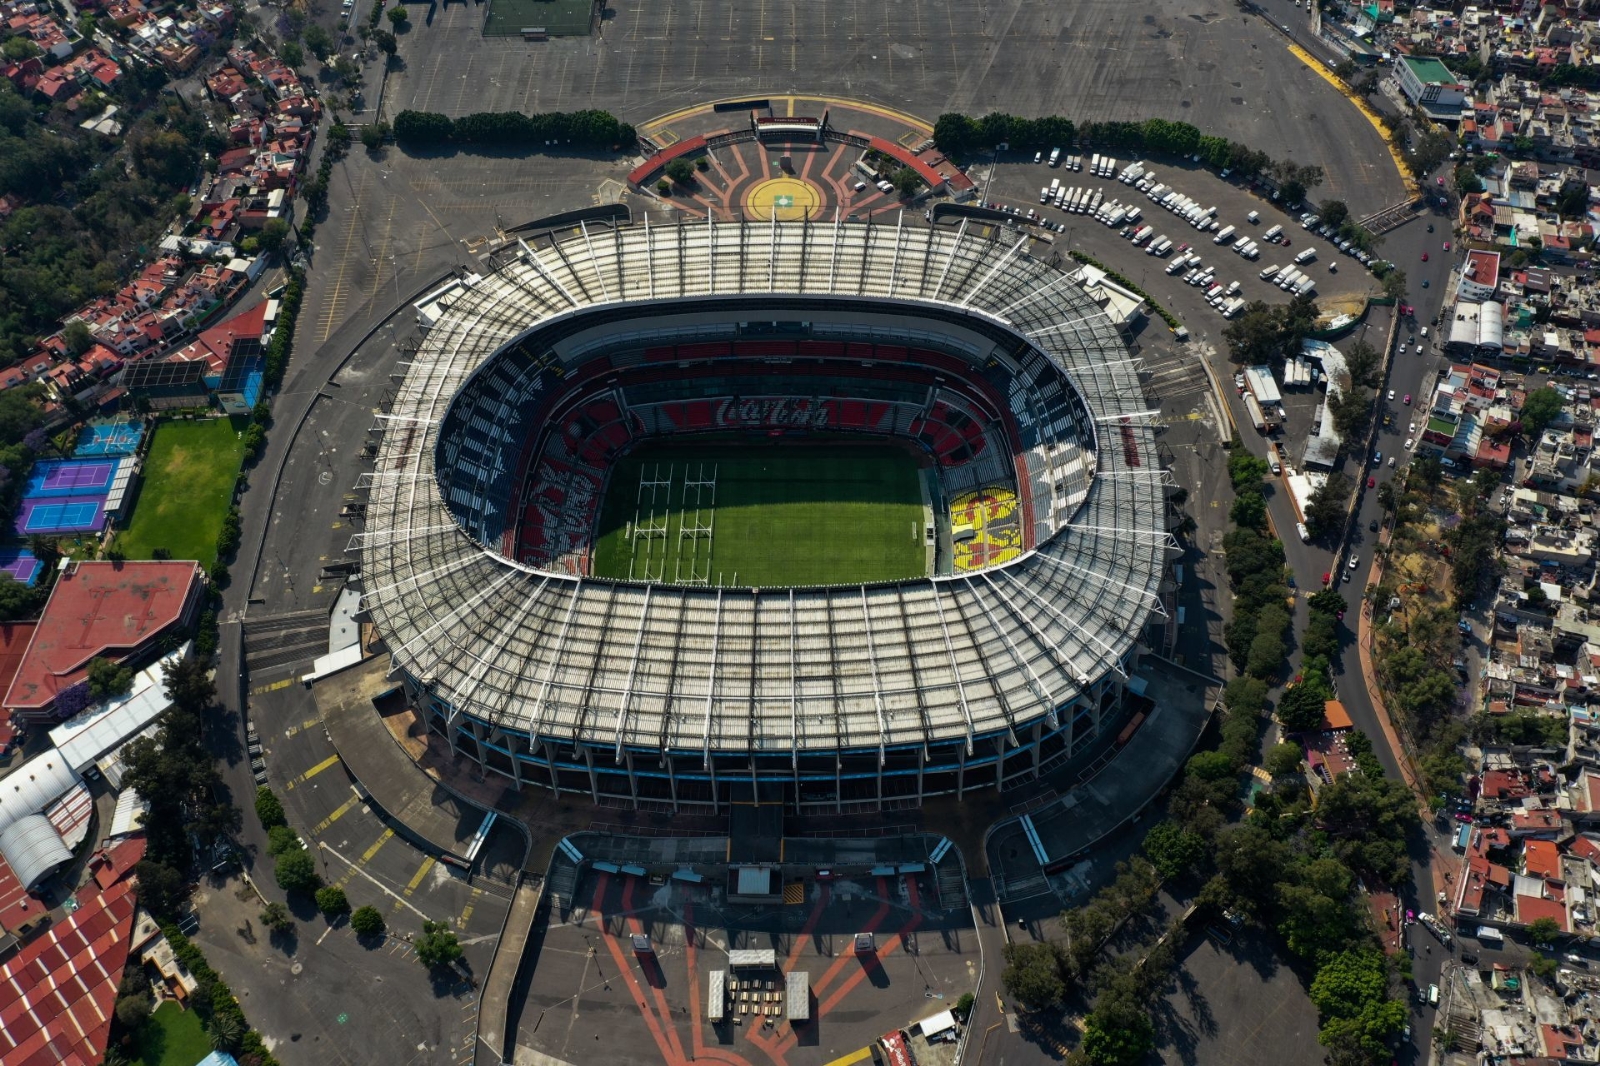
(188, 485)
(171, 1037)
(785, 514)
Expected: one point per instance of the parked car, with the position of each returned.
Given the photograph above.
(1407, 400)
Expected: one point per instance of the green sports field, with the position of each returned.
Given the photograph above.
(783, 514)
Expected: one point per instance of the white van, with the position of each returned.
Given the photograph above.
(1305, 534)
(1306, 256)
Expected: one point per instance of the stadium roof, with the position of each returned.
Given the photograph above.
(663, 667)
(108, 609)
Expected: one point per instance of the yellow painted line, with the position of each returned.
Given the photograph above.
(853, 1057)
(1365, 108)
(314, 771)
(275, 686)
(466, 912)
(338, 813)
(422, 871)
(366, 856)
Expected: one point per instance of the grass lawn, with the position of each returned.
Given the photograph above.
(188, 485)
(784, 514)
(172, 1037)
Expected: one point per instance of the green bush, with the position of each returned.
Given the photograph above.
(332, 902)
(296, 871)
(269, 809)
(282, 839)
(593, 129)
(367, 921)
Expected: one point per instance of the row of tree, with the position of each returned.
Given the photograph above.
(961, 135)
(1255, 563)
(590, 130)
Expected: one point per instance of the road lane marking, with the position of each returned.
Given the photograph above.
(314, 771)
(385, 889)
(338, 813)
(422, 871)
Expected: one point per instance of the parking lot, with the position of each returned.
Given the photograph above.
(591, 998)
(1018, 184)
(1229, 73)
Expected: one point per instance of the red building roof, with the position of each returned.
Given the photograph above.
(97, 609)
(1531, 908)
(1541, 859)
(59, 991)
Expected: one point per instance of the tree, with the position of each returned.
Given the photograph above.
(296, 871)
(681, 171)
(132, 1011)
(276, 917)
(1174, 850)
(1362, 361)
(374, 134)
(1539, 409)
(1032, 975)
(107, 679)
(1255, 336)
(291, 53)
(319, 41)
(1325, 512)
(332, 902)
(273, 234)
(269, 809)
(162, 889)
(1301, 706)
(1543, 931)
(281, 840)
(386, 42)
(1250, 510)
(437, 945)
(366, 921)
(1283, 760)
(227, 1030)
(1394, 284)
(77, 338)
(398, 16)
(1118, 1032)
(19, 48)
(1347, 982)
(1334, 213)
(906, 181)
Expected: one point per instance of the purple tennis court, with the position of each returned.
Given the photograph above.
(69, 477)
(69, 514)
(20, 563)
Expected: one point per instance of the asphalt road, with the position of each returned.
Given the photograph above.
(1408, 374)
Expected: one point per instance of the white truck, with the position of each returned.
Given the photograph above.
(1094, 164)
(1307, 285)
(1224, 236)
(1055, 157)
(1134, 214)
(1178, 265)
(1117, 217)
(1234, 307)
(1161, 247)
(1142, 234)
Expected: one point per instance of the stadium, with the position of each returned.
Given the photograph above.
(675, 516)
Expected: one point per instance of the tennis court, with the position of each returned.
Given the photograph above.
(69, 514)
(20, 563)
(69, 477)
(108, 438)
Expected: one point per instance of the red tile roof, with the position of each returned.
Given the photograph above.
(58, 992)
(1541, 859)
(1531, 908)
(114, 864)
(105, 609)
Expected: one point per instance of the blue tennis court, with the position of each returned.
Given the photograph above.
(113, 438)
(69, 477)
(83, 514)
(20, 563)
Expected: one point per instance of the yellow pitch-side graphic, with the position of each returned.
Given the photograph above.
(790, 199)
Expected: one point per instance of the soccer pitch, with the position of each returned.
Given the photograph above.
(758, 514)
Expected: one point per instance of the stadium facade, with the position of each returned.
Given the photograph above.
(532, 377)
